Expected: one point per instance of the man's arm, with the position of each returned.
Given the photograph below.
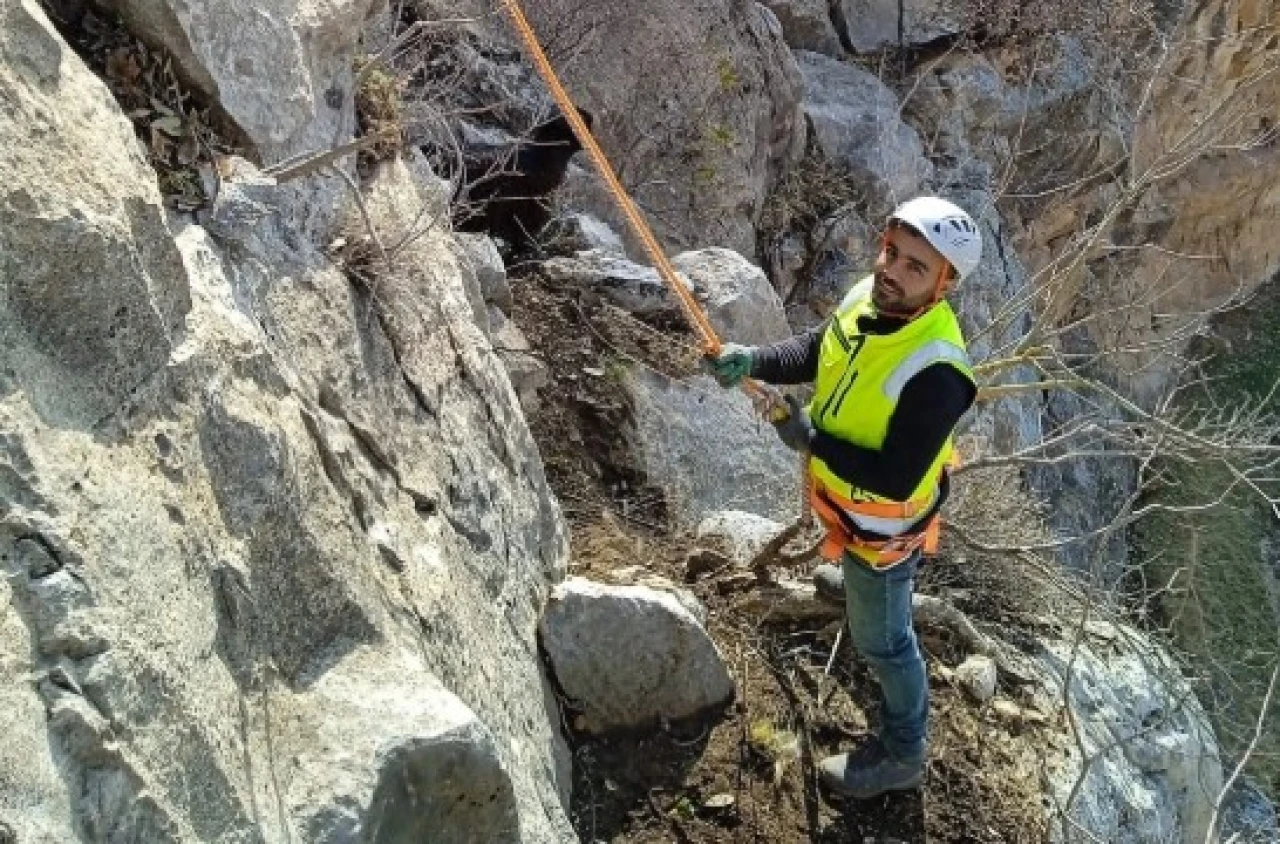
(793, 361)
(931, 404)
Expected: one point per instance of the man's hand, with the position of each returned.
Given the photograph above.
(731, 366)
(797, 429)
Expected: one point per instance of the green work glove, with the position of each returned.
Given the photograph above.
(731, 366)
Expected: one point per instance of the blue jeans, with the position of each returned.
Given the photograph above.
(878, 612)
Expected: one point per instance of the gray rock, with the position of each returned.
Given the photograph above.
(480, 256)
(641, 576)
(37, 804)
(583, 233)
(703, 105)
(736, 295)
(91, 291)
(1158, 774)
(631, 286)
(739, 300)
(977, 675)
(430, 768)
(709, 451)
(807, 25)
(528, 374)
(871, 25)
(283, 73)
(242, 197)
(631, 656)
(843, 251)
(1248, 817)
(964, 93)
(1000, 279)
(742, 534)
(855, 121)
(281, 515)
(484, 277)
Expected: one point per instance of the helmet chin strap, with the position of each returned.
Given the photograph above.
(939, 289)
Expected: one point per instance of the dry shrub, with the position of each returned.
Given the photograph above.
(177, 127)
(380, 107)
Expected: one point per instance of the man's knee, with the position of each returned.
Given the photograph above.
(887, 644)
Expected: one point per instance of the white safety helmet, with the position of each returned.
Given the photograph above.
(947, 228)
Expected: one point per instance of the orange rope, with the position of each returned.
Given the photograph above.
(696, 316)
(774, 407)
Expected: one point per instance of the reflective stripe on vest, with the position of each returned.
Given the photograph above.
(859, 381)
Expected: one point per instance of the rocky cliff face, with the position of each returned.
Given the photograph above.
(699, 104)
(275, 536)
(274, 544)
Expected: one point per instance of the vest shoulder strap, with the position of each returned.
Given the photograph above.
(934, 351)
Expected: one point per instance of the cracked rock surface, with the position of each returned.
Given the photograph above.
(274, 541)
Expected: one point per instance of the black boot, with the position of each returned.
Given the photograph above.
(871, 770)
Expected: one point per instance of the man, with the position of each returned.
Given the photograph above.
(891, 380)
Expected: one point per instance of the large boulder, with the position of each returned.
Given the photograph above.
(698, 106)
(283, 74)
(856, 122)
(631, 656)
(634, 287)
(253, 510)
(740, 302)
(736, 295)
(708, 450)
(403, 759)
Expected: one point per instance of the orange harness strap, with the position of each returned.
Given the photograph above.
(888, 552)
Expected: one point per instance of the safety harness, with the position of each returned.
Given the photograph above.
(837, 516)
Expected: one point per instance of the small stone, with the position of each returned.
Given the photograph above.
(1007, 710)
(718, 801)
(977, 675)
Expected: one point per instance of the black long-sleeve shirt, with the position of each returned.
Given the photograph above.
(930, 405)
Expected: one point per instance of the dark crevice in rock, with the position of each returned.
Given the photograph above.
(332, 468)
(45, 561)
(997, 233)
(392, 560)
(236, 640)
(385, 324)
(836, 10)
(328, 460)
(374, 452)
(477, 537)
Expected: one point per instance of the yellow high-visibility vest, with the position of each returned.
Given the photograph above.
(859, 381)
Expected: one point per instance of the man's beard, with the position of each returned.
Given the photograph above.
(886, 295)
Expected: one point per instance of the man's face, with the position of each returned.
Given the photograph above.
(906, 272)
